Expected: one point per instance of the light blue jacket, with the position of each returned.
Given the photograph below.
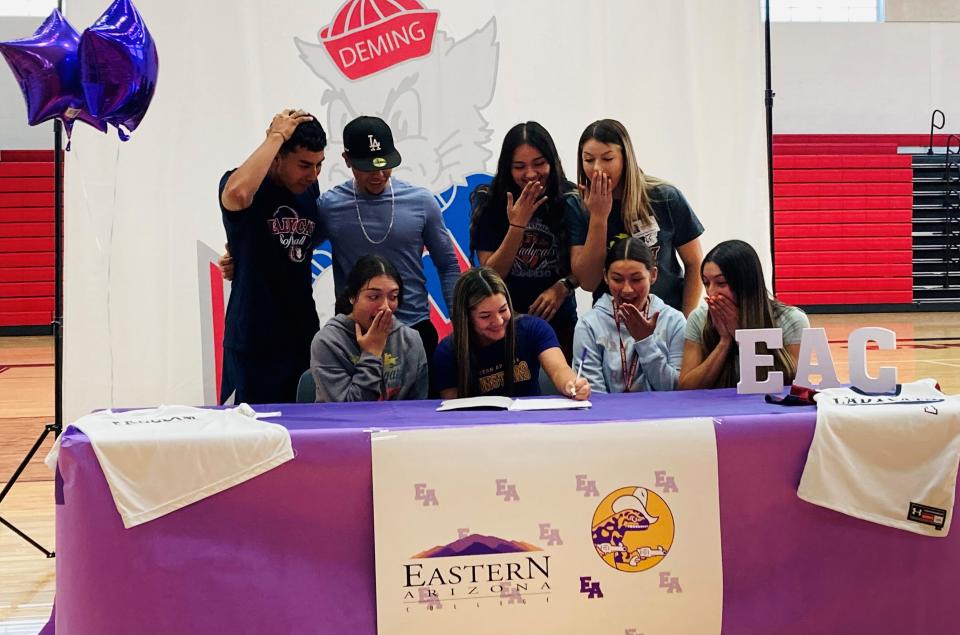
(660, 354)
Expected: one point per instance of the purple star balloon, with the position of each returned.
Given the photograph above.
(119, 67)
(47, 67)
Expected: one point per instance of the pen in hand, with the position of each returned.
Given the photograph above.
(573, 388)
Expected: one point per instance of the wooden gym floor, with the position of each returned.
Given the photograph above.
(928, 346)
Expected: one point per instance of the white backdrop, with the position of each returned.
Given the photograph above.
(830, 78)
(142, 221)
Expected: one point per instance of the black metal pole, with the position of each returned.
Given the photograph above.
(768, 95)
(58, 277)
(56, 323)
(58, 272)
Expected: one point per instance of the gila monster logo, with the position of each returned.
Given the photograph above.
(633, 529)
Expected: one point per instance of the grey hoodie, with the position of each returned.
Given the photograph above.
(595, 341)
(343, 372)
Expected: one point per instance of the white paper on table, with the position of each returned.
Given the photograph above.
(506, 403)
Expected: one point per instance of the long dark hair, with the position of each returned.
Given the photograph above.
(473, 287)
(756, 308)
(488, 203)
(364, 270)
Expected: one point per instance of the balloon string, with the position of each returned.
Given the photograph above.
(113, 221)
(101, 251)
(78, 164)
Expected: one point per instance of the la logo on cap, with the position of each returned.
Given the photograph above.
(367, 36)
(374, 144)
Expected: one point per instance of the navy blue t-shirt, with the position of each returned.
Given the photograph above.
(271, 307)
(543, 257)
(534, 335)
(675, 225)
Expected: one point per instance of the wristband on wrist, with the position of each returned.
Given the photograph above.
(518, 226)
(568, 284)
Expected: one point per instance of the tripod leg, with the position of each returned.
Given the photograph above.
(26, 460)
(13, 479)
(33, 542)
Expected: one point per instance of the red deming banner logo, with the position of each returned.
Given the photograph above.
(367, 36)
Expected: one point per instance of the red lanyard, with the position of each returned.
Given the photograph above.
(629, 372)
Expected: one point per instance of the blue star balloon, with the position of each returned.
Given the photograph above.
(119, 67)
(47, 67)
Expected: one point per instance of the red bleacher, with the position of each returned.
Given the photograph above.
(842, 223)
(26, 238)
(843, 210)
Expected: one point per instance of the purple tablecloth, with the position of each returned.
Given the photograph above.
(291, 551)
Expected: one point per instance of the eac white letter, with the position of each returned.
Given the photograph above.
(749, 361)
(886, 339)
(815, 341)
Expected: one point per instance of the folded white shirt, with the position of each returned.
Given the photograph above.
(887, 458)
(162, 459)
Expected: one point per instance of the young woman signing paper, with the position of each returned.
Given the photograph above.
(488, 339)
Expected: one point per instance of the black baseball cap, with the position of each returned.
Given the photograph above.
(369, 142)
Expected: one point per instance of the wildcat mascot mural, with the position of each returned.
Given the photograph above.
(385, 57)
(389, 58)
